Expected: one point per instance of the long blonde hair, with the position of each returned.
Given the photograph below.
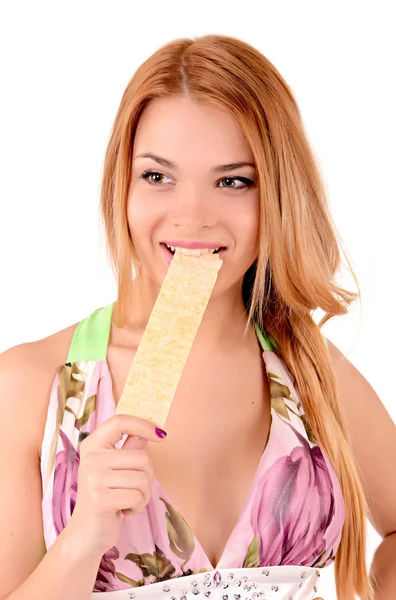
(299, 253)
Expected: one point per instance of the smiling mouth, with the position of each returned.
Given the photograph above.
(194, 251)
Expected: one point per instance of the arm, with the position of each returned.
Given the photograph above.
(373, 439)
(384, 565)
(65, 572)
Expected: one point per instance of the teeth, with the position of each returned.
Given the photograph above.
(193, 251)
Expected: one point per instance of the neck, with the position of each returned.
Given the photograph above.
(223, 323)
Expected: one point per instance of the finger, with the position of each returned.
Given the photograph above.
(126, 458)
(112, 431)
(135, 443)
(126, 480)
(124, 499)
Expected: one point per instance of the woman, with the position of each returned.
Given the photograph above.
(255, 488)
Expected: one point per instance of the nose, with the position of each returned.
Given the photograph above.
(193, 207)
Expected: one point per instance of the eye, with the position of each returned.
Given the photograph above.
(147, 174)
(247, 182)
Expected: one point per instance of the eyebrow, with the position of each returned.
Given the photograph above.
(219, 169)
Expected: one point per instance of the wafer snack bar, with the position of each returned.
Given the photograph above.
(170, 332)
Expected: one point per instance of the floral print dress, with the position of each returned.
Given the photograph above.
(290, 525)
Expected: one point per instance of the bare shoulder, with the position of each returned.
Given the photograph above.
(27, 372)
(54, 346)
(372, 435)
(335, 353)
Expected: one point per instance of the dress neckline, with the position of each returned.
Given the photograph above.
(248, 498)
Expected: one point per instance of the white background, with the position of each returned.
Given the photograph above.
(64, 67)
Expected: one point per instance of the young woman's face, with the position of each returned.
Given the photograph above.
(193, 199)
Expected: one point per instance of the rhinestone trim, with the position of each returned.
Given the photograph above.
(231, 580)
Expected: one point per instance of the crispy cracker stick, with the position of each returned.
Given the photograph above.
(166, 342)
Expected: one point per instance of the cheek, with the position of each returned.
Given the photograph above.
(246, 224)
(135, 212)
(141, 218)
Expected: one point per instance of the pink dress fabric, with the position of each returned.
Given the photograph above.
(289, 528)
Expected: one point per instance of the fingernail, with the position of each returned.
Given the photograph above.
(160, 432)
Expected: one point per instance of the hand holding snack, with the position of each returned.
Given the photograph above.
(112, 482)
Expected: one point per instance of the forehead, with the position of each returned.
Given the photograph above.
(188, 132)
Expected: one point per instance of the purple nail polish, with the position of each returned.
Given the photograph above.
(160, 432)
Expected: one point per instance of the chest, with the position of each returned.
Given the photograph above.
(217, 427)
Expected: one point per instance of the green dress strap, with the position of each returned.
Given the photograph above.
(91, 337)
(266, 340)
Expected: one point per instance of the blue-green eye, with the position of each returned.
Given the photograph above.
(247, 182)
